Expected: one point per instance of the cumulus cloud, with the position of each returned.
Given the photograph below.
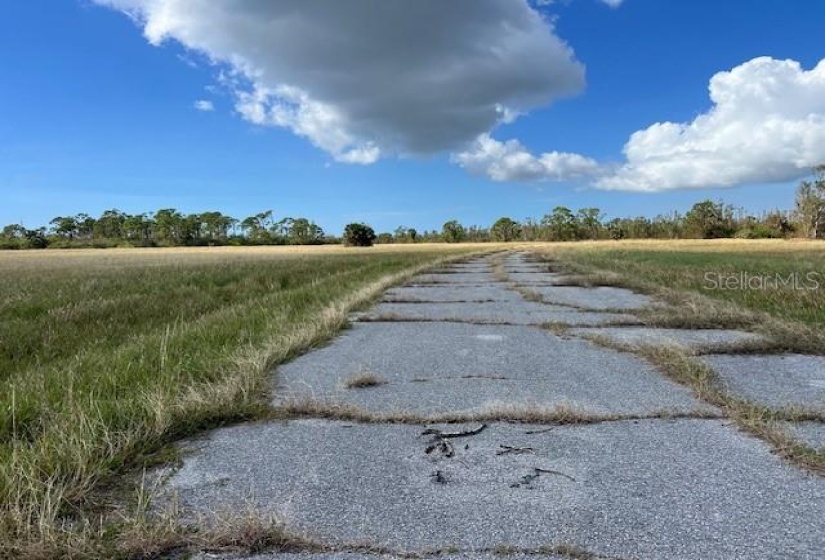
(204, 105)
(361, 79)
(510, 161)
(767, 124)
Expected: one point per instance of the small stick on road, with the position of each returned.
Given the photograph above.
(558, 473)
(445, 435)
(542, 431)
(505, 449)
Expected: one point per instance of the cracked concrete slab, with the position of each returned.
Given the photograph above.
(811, 434)
(597, 298)
(774, 380)
(526, 267)
(510, 312)
(455, 278)
(471, 267)
(537, 278)
(451, 293)
(437, 368)
(695, 339)
(649, 490)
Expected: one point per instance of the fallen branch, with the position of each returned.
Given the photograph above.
(529, 478)
(505, 449)
(558, 473)
(445, 435)
(542, 431)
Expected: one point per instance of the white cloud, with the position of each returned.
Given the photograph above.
(363, 79)
(613, 3)
(767, 124)
(204, 105)
(510, 161)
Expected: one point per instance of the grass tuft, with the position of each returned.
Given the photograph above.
(493, 412)
(364, 380)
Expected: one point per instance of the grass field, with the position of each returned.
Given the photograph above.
(106, 356)
(784, 279)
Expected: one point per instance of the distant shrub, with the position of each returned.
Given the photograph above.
(757, 231)
(359, 235)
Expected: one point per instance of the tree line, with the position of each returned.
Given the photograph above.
(169, 227)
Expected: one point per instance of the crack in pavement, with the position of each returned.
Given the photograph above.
(617, 482)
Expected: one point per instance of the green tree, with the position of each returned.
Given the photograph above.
(710, 220)
(359, 235)
(404, 234)
(36, 238)
(505, 230)
(110, 225)
(258, 227)
(304, 232)
(64, 226)
(810, 204)
(14, 231)
(590, 222)
(453, 232)
(385, 238)
(616, 229)
(779, 223)
(169, 226)
(85, 225)
(561, 224)
(215, 226)
(138, 228)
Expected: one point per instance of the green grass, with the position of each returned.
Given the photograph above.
(699, 267)
(678, 273)
(106, 357)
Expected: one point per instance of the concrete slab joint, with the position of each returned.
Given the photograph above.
(449, 422)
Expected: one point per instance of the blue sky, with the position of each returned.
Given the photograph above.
(308, 121)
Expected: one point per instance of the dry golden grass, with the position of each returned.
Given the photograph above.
(139, 257)
(494, 412)
(701, 245)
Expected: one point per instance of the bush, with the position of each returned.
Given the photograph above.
(757, 231)
(359, 235)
